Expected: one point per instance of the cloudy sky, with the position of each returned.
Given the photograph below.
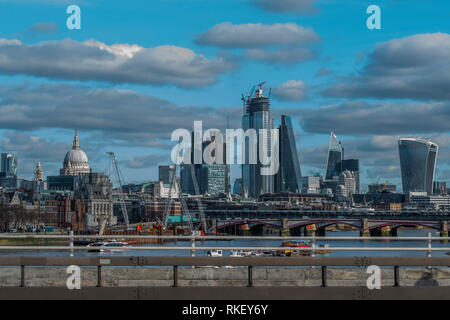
(137, 70)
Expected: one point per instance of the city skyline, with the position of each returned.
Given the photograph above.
(325, 79)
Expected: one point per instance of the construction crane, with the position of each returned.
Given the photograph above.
(197, 194)
(184, 208)
(118, 176)
(381, 187)
(260, 85)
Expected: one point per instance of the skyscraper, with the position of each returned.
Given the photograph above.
(256, 116)
(8, 165)
(352, 165)
(166, 173)
(211, 178)
(288, 178)
(417, 163)
(334, 162)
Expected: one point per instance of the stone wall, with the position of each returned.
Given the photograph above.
(210, 276)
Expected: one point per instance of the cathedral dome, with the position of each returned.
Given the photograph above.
(76, 161)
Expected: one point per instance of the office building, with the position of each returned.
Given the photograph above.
(335, 156)
(211, 178)
(352, 165)
(8, 165)
(166, 173)
(417, 164)
(439, 188)
(288, 176)
(310, 185)
(256, 116)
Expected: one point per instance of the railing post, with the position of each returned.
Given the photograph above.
(71, 242)
(396, 276)
(22, 276)
(324, 276)
(250, 276)
(99, 276)
(192, 250)
(175, 276)
(429, 247)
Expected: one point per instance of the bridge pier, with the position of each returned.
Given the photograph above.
(364, 231)
(321, 232)
(310, 230)
(244, 230)
(386, 231)
(214, 226)
(444, 229)
(394, 232)
(284, 230)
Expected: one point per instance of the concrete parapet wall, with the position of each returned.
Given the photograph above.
(210, 276)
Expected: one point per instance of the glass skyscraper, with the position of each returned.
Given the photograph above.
(417, 163)
(335, 156)
(288, 178)
(8, 165)
(256, 116)
(211, 178)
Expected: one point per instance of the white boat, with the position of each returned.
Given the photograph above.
(240, 253)
(102, 246)
(214, 253)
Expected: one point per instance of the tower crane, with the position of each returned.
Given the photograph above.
(261, 84)
(118, 176)
(184, 207)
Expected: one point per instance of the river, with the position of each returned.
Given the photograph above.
(272, 243)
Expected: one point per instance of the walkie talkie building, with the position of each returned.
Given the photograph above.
(417, 163)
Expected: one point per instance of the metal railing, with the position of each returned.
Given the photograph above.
(249, 262)
(193, 239)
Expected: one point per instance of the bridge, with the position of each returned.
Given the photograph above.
(298, 222)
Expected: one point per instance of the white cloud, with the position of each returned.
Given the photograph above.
(291, 90)
(286, 6)
(414, 67)
(117, 63)
(251, 35)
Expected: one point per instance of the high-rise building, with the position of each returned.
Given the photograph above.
(334, 161)
(237, 186)
(211, 178)
(417, 163)
(289, 174)
(353, 166)
(346, 184)
(256, 116)
(440, 188)
(8, 165)
(310, 185)
(166, 173)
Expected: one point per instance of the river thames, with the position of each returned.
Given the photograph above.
(273, 243)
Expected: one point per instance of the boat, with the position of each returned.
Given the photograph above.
(294, 252)
(240, 253)
(214, 253)
(103, 246)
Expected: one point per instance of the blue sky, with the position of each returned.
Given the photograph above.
(381, 83)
